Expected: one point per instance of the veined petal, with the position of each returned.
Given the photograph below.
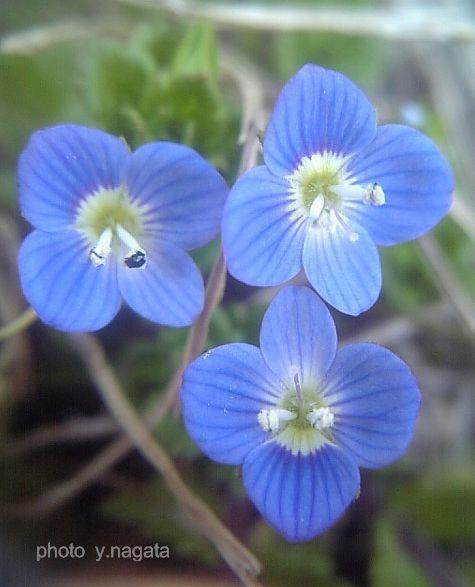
(168, 289)
(344, 271)
(263, 231)
(182, 193)
(317, 110)
(375, 401)
(63, 286)
(222, 393)
(298, 336)
(300, 496)
(416, 179)
(60, 166)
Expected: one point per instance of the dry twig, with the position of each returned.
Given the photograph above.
(243, 562)
(81, 429)
(401, 23)
(448, 283)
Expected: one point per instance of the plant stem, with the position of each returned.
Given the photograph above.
(243, 562)
(399, 23)
(18, 325)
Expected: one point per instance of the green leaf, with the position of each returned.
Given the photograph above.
(197, 53)
(158, 41)
(119, 78)
(302, 564)
(441, 503)
(392, 567)
(407, 281)
(35, 90)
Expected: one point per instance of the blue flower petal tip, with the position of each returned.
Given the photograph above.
(111, 225)
(334, 186)
(298, 415)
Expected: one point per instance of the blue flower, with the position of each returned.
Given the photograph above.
(113, 225)
(334, 185)
(298, 415)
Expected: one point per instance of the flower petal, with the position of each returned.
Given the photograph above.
(300, 496)
(62, 285)
(298, 336)
(183, 194)
(416, 179)
(346, 273)
(168, 289)
(317, 110)
(222, 393)
(263, 232)
(60, 166)
(375, 400)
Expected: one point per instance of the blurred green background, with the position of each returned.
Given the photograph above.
(146, 75)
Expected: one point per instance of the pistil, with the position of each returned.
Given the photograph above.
(298, 388)
(317, 207)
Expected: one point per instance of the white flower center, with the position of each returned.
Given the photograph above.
(301, 422)
(323, 188)
(109, 219)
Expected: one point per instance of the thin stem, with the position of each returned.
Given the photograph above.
(18, 325)
(448, 283)
(243, 562)
(398, 23)
(91, 428)
(250, 82)
(464, 215)
(43, 37)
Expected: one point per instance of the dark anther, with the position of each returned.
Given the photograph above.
(96, 254)
(135, 260)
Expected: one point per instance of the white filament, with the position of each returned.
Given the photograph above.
(128, 240)
(101, 251)
(271, 419)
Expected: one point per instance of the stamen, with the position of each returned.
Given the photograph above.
(374, 194)
(101, 251)
(136, 256)
(349, 192)
(321, 418)
(271, 419)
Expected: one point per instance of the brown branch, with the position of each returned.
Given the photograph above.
(22, 322)
(243, 562)
(91, 428)
(399, 23)
(448, 283)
